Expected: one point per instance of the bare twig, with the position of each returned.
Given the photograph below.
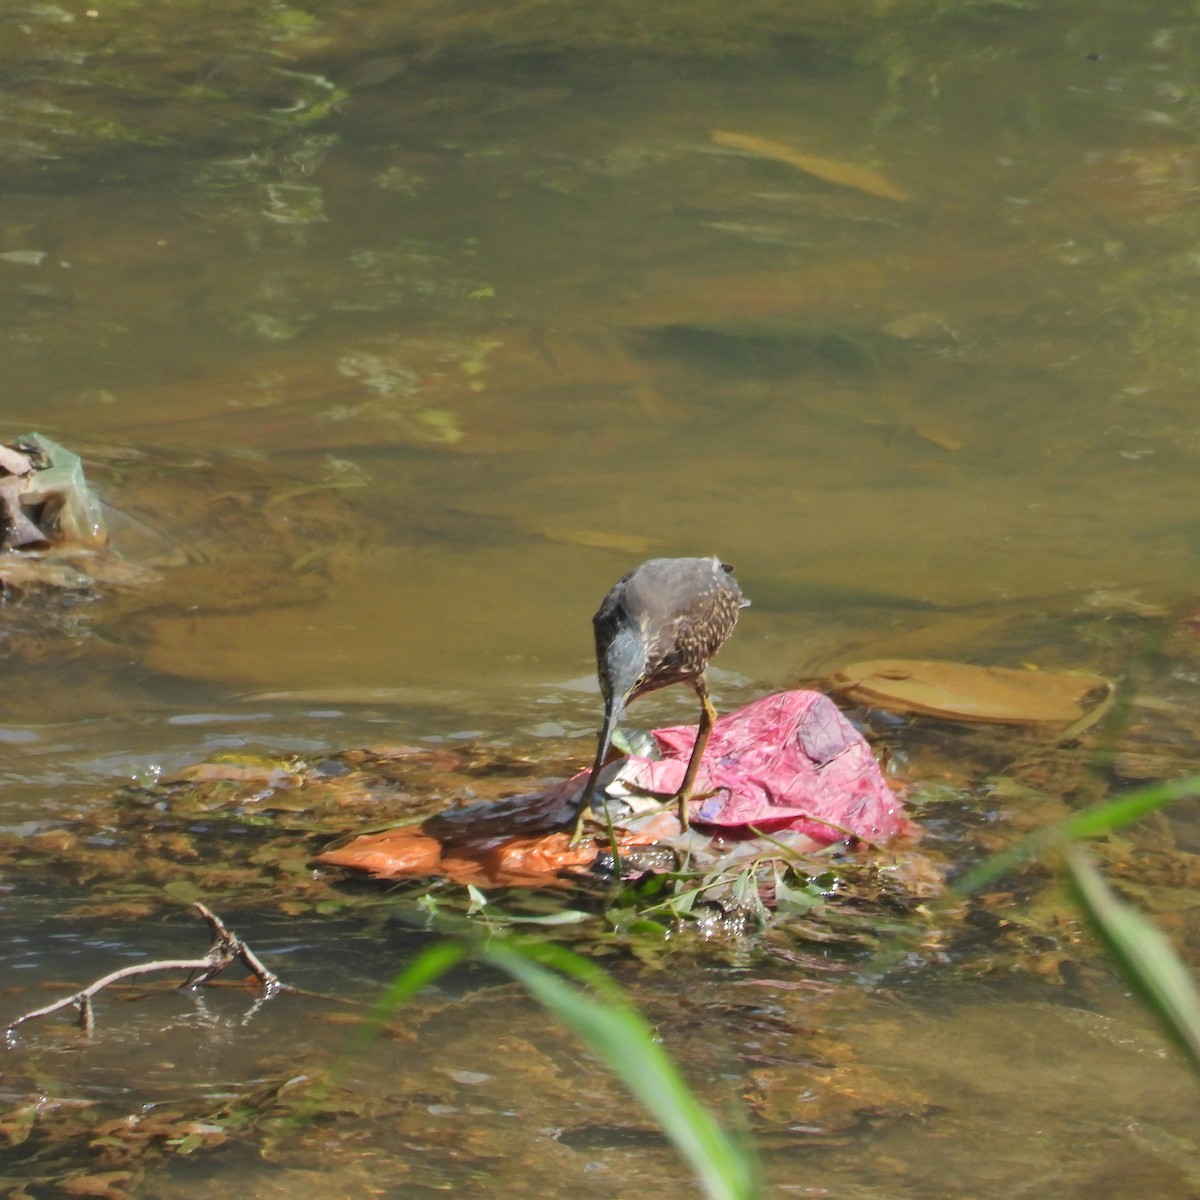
(226, 948)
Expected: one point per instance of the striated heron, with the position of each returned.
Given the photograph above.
(660, 625)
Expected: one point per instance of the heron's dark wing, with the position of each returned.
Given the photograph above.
(690, 607)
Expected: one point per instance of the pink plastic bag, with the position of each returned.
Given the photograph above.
(788, 761)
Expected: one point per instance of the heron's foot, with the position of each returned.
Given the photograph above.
(585, 815)
(682, 800)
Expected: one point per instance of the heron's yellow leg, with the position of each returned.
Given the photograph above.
(708, 717)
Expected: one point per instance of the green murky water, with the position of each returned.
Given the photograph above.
(393, 336)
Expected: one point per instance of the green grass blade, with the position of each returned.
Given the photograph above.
(619, 1035)
(1110, 815)
(1094, 821)
(1147, 957)
(425, 969)
(606, 1020)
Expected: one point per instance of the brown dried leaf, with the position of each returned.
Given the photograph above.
(962, 692)
(55, 841)
(108, 1185)
(828, 170)
(942, 438)
(265, 774)
(599, 539)
(17, 1124)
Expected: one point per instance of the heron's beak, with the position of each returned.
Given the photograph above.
(614, 710)
(614, 706)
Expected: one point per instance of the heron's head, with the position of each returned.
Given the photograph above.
(623, 667)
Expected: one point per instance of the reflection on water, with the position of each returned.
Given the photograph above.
(394, 338)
